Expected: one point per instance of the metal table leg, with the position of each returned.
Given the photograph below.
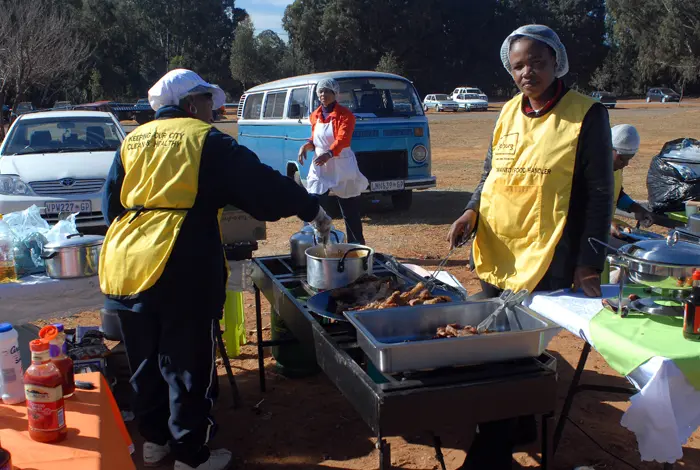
(258, 324)
(437, 443)
(229, 371)
(570, 395)
(384, 452)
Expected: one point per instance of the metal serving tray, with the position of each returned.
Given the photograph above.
(401, 339)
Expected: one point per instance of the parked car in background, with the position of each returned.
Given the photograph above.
(59, 161)
(62, 105)
(6, 111)
(663, 95)
(471, 102)
(21, 108)
(472, 92)
(143, 112)
(439, 102)
(607, 99)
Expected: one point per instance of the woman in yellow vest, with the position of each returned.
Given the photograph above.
(546, 188)
(162, 266)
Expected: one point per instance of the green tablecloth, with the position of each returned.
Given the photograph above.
(627, 343)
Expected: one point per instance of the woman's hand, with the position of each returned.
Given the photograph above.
(302, 152)
(461, 228)
(323, 159)
(645, 218)
(587, 279)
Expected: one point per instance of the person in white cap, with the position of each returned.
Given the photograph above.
(546, 188)
(625, 142)
(334, 166)
(162, 266)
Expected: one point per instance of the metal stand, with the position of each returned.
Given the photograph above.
(384, 452)
(229, 372)
(576, 387)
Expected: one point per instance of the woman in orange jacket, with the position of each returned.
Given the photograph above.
(334, 167)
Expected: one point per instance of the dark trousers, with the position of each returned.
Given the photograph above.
(172, 358)
(492, 447)
(350, 208)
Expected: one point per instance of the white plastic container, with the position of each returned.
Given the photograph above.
(11, 375)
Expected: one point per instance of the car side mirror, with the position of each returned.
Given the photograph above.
(295, 111)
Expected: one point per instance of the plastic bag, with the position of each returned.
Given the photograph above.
(62, 229)
(674, 176)
(27, 222)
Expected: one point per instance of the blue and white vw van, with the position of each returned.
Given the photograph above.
(391, 138)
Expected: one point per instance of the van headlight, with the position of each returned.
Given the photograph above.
(419, 153)
(13, 186)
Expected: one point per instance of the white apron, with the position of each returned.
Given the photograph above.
(340, 174)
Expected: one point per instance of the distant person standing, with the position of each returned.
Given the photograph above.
(334, 167)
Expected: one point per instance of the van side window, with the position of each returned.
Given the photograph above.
(274, 105)
(300, 97)
(253, 106)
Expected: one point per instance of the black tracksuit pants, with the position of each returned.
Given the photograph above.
(350, 208)
(172, 358)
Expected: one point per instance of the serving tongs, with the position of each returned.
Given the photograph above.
(430, 282)
(509, 299)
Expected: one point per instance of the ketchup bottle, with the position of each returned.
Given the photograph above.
(44, 393)
(691, 316)
(56, 340)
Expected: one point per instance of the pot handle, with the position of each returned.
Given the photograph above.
(365, 260)
(75, 235)
(51, 255)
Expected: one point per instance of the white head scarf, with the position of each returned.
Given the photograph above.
(328, 84)
(543, 34)
(625, 139)
(178, 83)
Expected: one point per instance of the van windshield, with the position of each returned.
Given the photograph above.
(379, 97)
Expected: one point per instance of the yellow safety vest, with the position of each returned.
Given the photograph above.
(161, 162)
(525, 199)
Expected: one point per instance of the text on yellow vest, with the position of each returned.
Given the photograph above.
(161, 161)
(525, 199)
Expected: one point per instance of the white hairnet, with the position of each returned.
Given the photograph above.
(178, 83)
(625, 139)
(329, 84)
(541, 33)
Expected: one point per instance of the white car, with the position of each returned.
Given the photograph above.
(470, 99)
(439, 102)
(59, 161)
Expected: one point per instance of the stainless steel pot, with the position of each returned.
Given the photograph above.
(77, 255)
(340, 265)
(304, 239)
(661, 264)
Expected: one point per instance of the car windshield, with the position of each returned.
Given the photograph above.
(441, 97)
(379, 97)
(667, 91)
(63, 134)
(474, 91)
(24, 107)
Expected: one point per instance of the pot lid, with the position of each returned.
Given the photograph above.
(659, 251)
(75, 240)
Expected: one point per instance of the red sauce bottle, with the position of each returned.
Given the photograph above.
(44, 392)
(56, 340)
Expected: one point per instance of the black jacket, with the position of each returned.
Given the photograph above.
(590, 207)
(229, 173)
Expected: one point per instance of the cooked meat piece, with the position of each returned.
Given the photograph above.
(417, 289)
(393, 298)
(441, 333)
(414, 302)
(452, 329)
(438, 300)
(425, 295)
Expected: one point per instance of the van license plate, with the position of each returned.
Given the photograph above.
(71, 207)
(377, 186)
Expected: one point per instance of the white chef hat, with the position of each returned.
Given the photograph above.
(179, 83)
(625, 139)
(543, 34)
(328, 84)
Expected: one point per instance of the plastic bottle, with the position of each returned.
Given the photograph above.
(5, 459)
(54, 335)
(42, 387)
(11, 385)
(691, 315)
(7, 253)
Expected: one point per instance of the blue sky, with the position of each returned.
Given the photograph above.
(266, 14)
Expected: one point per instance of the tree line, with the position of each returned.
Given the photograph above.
(87, 50)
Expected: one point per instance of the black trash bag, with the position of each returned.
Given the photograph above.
(670, 184)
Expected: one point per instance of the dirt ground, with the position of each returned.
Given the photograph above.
(307, 424)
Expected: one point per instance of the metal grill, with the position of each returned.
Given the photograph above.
(67, 186)
(381, 166)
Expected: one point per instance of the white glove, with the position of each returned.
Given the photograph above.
(322, 226)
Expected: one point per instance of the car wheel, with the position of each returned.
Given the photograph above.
(663, 100)
(648, 100)
(425, 108)
(402, 201)
(439, 110)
